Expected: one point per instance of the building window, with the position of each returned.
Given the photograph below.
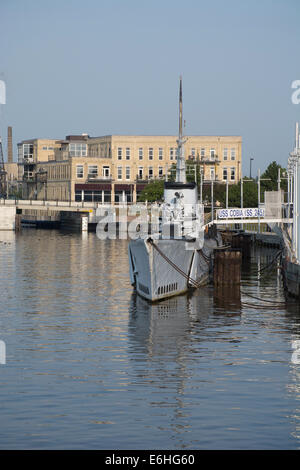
(78, 196)
(92, 171)
(193, 153)
(140, 172)
(160, 171)
(119, 153)
(141, 153)
(150, 153)
(107, 196)
(225, 174)
(79, 171)
(212, 173)
(128, 172)
(119, 172)
(202, 152)
(225, 154)
(171, 153)
(232, 154)
(212, 154)
(76, 150)
(106, 171)
(150, 172)
(28, 151)
(232, 174)
(127, 153)
(160, 153)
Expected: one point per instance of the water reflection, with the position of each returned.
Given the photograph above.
(170, 325)
(227, 299)
(200, 370)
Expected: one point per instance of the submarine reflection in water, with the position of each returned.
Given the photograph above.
(166, 326)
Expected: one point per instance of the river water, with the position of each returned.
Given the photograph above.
(91, 366)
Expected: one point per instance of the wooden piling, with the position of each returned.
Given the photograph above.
(18, 222)
(227, 267)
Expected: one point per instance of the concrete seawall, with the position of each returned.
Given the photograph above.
(7, 218)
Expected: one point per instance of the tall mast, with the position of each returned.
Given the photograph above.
(180, 108)
(180, 166)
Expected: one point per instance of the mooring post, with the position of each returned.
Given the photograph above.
(227, 267)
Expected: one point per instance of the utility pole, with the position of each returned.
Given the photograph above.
(212, 200)
(251, 159)
(242, 193)
(201, 186)
(227, 192)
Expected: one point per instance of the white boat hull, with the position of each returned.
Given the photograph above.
(155, 278)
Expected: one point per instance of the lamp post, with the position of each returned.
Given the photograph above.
(212, 200)
(201, 186)
(227, 192)
(251, 159)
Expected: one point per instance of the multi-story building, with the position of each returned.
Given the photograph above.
(116, 168)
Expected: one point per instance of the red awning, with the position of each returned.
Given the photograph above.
(124, 187)
(93, 187)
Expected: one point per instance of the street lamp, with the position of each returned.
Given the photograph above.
(251, 159)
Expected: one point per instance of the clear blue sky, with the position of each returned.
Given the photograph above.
(112, 67)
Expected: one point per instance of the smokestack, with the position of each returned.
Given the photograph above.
(9, 145)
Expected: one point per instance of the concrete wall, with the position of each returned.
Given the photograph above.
(7, 218)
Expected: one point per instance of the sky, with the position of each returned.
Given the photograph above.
(112, 67)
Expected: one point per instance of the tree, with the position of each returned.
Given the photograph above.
(154, 191)
(271, 176)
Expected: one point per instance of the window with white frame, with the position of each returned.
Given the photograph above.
(232, 154)
(212, 153)
(127, 153)
(128, 172)
(77, 150)
(106, 171)
(120, 151)
(150, 172)
(92, 171)
(160, 171)
(225, 174)
(171, 153)
(160, 153)
(141, 153)
(212, 173)
(225, 154)
(119, 172)
(202, 152)
(79, 171)
(140, 172)
(28, 151)
(193, 153)
(150, 153)
(232, 174)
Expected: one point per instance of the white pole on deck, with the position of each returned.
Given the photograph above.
(258, 198)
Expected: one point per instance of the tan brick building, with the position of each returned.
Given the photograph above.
(116, 168)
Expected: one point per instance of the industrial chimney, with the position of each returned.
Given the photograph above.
(9, 145)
